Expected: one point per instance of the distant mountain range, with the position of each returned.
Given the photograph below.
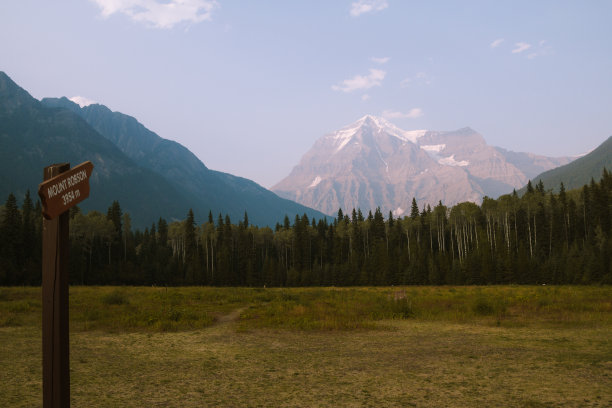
(579, 172)
(373, 163)
(151, 177)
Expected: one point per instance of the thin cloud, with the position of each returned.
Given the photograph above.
(361, 82)
(420, 77)
(381, 61)
(82, 101)
(411, 114)
(365, 97)
(496, 43)
(160, 14)
(367, 6)
(542, 49)
(520, 47)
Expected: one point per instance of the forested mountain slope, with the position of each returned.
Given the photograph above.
(580, 171)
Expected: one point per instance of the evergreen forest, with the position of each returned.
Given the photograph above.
(539, 238)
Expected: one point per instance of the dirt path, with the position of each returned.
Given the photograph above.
(230, 317)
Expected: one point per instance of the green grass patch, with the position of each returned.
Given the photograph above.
(508, 346)
(155, 309)
(325, 309)
(116, 297)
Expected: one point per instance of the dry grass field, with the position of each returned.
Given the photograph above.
(358, 347)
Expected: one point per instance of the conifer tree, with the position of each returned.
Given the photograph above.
(190, 236)
(162, 230)
(28, 227)
(114, 214)
(414, 209)
(11, 236)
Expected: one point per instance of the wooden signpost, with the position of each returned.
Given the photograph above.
(61, 189)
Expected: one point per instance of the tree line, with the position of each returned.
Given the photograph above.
(539, 238)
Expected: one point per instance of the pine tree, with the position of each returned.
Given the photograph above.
(12, 249)
(414, 209)
(162, 230)
(127, 235)
(114, 214)
(190, 236)
(28, 227)
(191, 254)
(360, 215)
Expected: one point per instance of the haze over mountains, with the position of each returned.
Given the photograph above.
(373, 163)
(151, 177)
(370, 163)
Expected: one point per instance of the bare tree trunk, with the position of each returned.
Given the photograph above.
(408, 238)
(535, 233)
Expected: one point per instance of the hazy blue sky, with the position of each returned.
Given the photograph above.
(249, 86)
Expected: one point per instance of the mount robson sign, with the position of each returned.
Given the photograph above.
(65, 190)
(61, 189)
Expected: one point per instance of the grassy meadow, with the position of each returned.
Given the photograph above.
(515, 346)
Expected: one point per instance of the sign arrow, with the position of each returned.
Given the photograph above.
(60, 193)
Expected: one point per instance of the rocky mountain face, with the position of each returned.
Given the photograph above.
(373, 163)
(151, 177)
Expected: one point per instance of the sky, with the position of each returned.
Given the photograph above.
(249, 86)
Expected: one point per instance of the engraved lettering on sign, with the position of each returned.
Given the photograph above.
(63, 185)
(65, 190)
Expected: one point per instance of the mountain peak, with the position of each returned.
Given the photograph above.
(384, 125)
(12, 96)
(466, 130)
(62, 102)
(373, 124)
(373, 163)
(371, 120)
(378, 121)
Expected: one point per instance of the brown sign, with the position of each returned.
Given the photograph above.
(65, 190)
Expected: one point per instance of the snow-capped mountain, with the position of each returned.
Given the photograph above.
(373, 163)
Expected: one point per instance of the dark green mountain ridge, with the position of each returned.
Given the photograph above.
(216, 191)
(33, 136)
(151, 177)
(578, 172)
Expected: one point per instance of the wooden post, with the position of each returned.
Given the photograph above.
(55, 341)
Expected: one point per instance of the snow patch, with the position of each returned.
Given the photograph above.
(434, 152)
(413, 135)
(383, 160)
(385, 125)
(450, 161)
(344, 135)
(315, 182)
(434, 148)
(82, 101)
